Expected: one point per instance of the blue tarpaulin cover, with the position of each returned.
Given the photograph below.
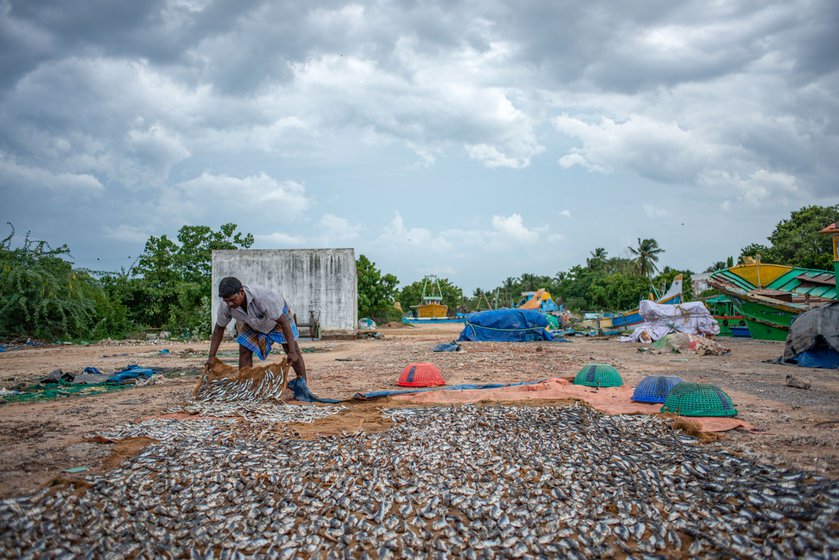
(133, 371)
(464, 387)
(447, 347)
(813, 339)
(506, 325)
(826, 358)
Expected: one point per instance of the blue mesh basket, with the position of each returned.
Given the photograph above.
(655, 389)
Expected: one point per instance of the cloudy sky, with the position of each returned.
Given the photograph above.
(474, 139)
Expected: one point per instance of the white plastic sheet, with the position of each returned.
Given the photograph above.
(659, 320)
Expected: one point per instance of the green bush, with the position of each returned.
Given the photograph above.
(42, 296)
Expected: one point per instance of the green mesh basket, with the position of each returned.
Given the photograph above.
(598, 375)
(698, 399)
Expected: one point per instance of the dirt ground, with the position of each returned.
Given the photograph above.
(797, 428)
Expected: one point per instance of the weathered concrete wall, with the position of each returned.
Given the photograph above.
(319, 280)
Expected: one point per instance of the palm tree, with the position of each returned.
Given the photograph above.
(646, 255)
(597, 260)
(509, 285)
(529, 282)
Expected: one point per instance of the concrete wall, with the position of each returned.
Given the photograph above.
(320, 280)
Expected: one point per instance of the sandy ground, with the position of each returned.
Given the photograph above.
(797, 428)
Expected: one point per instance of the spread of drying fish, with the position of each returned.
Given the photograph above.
(443, 482)
(260, 412)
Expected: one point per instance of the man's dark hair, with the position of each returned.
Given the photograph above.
(229, 286)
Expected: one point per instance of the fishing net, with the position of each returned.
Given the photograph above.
(61, 390)
(228, 384)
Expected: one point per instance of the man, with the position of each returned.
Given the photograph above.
(262, 318)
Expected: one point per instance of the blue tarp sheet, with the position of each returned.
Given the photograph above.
(826, 358)
(447, 347)
(813, 339)
(506, 325)
(464, 387)
(132, 371)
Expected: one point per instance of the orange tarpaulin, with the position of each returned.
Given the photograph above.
(611, 400)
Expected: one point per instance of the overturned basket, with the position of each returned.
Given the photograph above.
(598, 375)
(655, 389)
(421, 374)
(698, 399)
(228, 384)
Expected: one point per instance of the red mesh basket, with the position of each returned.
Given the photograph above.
(421, 375)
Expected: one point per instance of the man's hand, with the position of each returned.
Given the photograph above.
(209, 363)
(293, 356)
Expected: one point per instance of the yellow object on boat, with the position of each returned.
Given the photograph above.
(759, 274)
(432, 310)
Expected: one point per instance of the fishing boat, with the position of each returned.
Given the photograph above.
(630, 319)
(431, 308)
(731, 323)
(770, 296)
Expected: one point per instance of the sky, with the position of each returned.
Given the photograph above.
(475, 140)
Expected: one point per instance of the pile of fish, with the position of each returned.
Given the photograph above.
(227, 384)
(467, 481)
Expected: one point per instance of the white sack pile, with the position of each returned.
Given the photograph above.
(659, 320)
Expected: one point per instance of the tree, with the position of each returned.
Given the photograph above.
(172, 279)
(721, 265)
(479, 301)
(752, 250)
(597, 261)
(797, 242)
(620, 292)
(43, 296)
(376, 292)
(197, 243)
(646, 256)
(157, 290)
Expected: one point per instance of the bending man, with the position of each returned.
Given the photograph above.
(262, 318)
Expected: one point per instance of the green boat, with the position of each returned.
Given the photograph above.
(770, 296)
(730, 321)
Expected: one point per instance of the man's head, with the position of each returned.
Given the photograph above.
(231, 291)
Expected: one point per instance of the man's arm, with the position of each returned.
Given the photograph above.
(215, 342)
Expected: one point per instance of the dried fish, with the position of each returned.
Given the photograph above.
(467, 481)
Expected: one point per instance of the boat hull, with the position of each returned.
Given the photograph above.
(764, 321)
(729, 325)
(741, 332)
(770, 296)
(432, 311)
